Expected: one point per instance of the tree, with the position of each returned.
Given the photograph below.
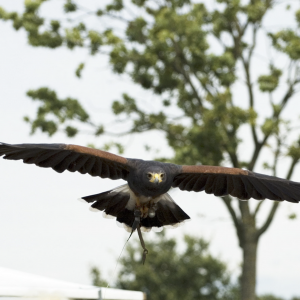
(169, 274)
(269, 297)
(97, 278)
(191, 56)
(272, 297)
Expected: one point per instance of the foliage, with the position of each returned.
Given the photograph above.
(165, 49)
(190, 56)
(272, 297)
(269, 297)
(192, 273)
(171, 274)
(97, 278)
(61, 110)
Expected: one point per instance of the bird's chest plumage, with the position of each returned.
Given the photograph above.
(146, 190)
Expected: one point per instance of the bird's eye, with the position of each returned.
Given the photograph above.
(149, 175)
(162, 175)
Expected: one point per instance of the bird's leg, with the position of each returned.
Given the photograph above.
(143, 208)
(144, 211)
(137, 202)
(137, 219)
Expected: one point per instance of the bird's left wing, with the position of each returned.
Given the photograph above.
(243, 184)
(61, 157)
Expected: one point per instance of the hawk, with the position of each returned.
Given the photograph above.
(144, 200)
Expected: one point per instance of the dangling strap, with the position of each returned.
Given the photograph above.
(136, 225)
(145, 252)
(136, 222)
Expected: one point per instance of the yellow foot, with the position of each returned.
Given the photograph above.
(143, 209)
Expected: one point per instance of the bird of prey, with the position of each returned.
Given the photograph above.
(144, 200)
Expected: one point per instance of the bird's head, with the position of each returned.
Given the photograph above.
(155, 175)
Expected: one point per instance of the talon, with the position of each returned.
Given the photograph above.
(145, 252)
(145, 211)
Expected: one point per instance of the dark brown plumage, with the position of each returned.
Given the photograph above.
(149, 181)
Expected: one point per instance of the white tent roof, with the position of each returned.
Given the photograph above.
(20, 284)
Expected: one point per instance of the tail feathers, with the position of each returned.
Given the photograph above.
(126, 217)
(170, 213)
(167, 213)
(114, 203)
(111, 202)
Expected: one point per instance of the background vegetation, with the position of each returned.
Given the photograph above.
(193, 57)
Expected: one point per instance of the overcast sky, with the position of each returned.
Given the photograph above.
(46, 231)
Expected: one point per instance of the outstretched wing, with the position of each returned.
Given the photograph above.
(239, 183)
(61, 157)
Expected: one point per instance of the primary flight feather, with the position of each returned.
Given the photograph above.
(148, 182)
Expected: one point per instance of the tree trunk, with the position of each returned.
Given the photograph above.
(248, 278)
(248, 238)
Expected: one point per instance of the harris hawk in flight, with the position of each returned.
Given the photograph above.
(144, 201)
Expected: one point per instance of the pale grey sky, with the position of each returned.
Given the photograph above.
(45, 230)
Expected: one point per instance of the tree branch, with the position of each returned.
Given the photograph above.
(232, 155)
(246, 64)
(276, 113)
(244, 208)
(269, 219)
(257, 208)
(180, 69)
(291, 169)
(237, 222)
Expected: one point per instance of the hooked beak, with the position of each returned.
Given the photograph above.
(156, 178)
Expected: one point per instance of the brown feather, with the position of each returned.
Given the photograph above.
(61, 157)
(213, 170)
(98, 153)
(239, 183)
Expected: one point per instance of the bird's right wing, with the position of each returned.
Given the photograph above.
(239, 183)
(61, 157)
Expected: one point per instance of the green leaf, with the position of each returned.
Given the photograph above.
(52, 108)
(139, 3)
(95, 41)
(79, 70)
(111, 145)
(269, 126)
(288, 42)
(268, 83)
(32, 6)
(294, 150)
(116, 5)
(99, 130)
(292, 216)
(73, 37)
(297, 15)
(70, 6)
(71, 131)
(97, 278)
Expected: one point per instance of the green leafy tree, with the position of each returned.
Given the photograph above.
(190, 56)
(97, 279)
(192, 273)
(169, 274)
(272, 297)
